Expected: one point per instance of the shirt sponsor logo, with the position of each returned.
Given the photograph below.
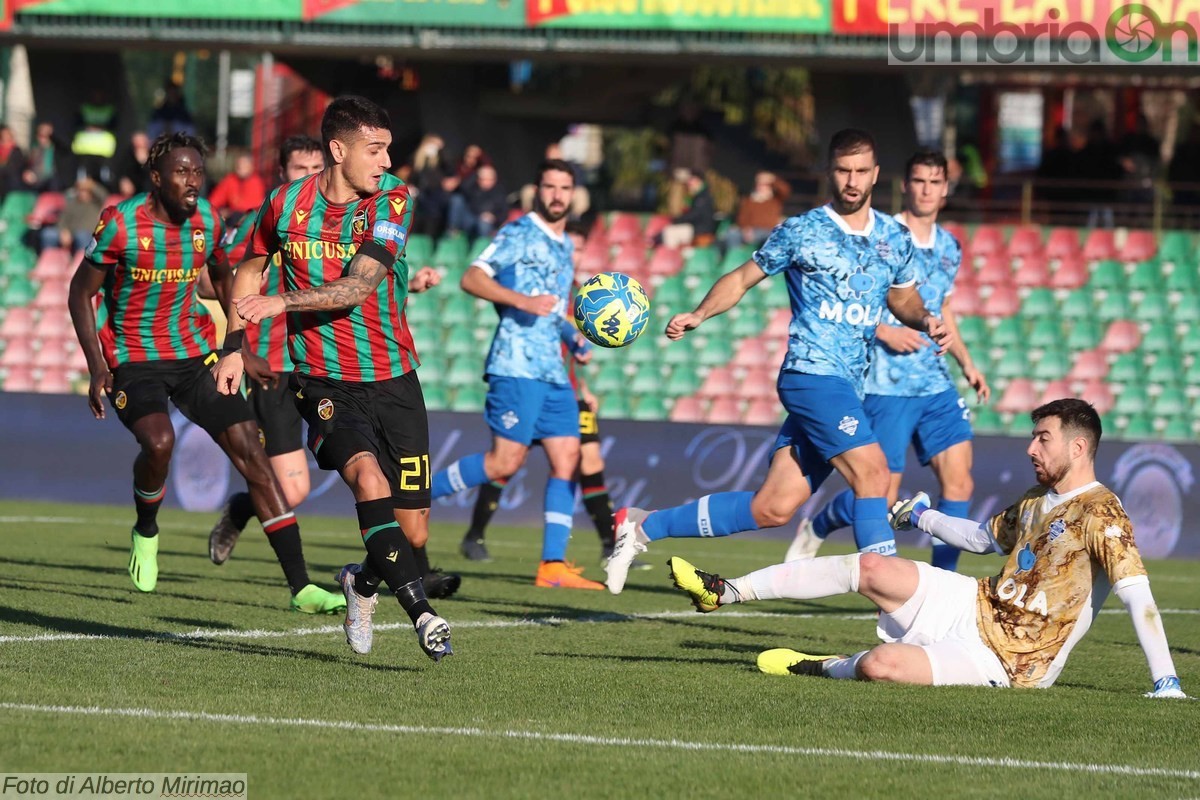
(389, 231)
(305, 249)
(859, 283)
(147, 275)
(850, 313)
(848, 426)
(1025, 559)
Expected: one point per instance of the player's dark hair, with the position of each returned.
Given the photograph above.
(1077, 418)
(347, 114)
(577, 228)
(849, 142)
(554, 165)
(173, 141)
(934, 159)
(297, 144)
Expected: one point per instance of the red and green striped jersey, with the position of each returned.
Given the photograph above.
(152, 313)
(267, 339)
(316, 240)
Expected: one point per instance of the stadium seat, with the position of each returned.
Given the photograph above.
(1099, 394)
(459, 341)
(1089, 365)
(1013, 364)
(1045, 332)
(1025, 241)
(469, 397)
(777, 326)
(665, 262)
(17, 323)
(703, 263)
(759, 384)
(1146, 276)
(655, 225)
(1189, 342)
(717, 383)
(19, 292)
(419, 251)
(752, 354)
(1114, 306)
(1078, 305)
(1151, 306)
(19, 379)
(762, 412)
(1019, 397)
(973, 330)
(1187, 310)
(1071, 273)
(687, 409)
(1004, 301)
(53, 264)
(736, 256)
(1050, 365)
(1063, 243)
(478, 245)
(1159, 337)
(1176, 247)
(985, 419)
(54, 324)
(1135, 426)
(1139, 245)
(1108, 274)
(1183, 278)
(435, 396)
(1132, 399)
(1055, 390)
(1166, 371)
(451, 253)
(630, 259)
(683, 381)
(965, 300)
(1007, 332)
(724, 411)
(1032, 270)
(1099, 245)
(994, 271)
(987, 240)
(54, 381)
(1178, 429)
(18, 353)
(1122, 336)
(956, 230)
(1083, 334)
(1125, 368)
(624, 229)
(46, 209)
(616, 406)
(1039, 302)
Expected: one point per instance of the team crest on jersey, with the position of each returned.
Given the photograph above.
(860, 283)
(198, 240)
(359, 225)
(120, 401)
(848, 425)
(301, 215)
(145, 240)
(884, 249)
(325, 409)
(509, 419)
(398, 206)
(1113, 532)
(262, 437)
(947, 263)
(1057, 529)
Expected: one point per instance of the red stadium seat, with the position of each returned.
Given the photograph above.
(52, 295)
(46, 209)
(687, 409)
(759, 384)
(717, 383)
(624, 229)
(665, 261)
(1055, 390)
(514, 215)
(1099, 394)
(54, 324)
(1033, 271)
(53, 264)
(1138, 246)
(19, 379)
(630, 258)
(19, 322)
(656, 224)
(54, 381)
(1072, 273)
(1025, 241)
(761, 412)
(1063, 243)
(1122, 336)
(994, 271)
(1004, 301)
(724, 411)
(956, 230)
(752, 354)
(1100, 245)
(988, 240)
(777, 328)
(1089, 365)
(965, 300)
(1019, 397)
(18, 353)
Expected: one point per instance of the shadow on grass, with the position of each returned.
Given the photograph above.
(61, 588)
(642, 659)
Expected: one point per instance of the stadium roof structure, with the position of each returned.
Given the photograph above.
(284, 36)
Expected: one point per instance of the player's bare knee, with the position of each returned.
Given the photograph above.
(773, 512)
(158, 446)
(294, 494)
(958, 486)
(877, 665)
(508, 464)
(872, 571)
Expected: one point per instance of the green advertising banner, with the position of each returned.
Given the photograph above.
(456, 13)
(208, 9)
(766, 16)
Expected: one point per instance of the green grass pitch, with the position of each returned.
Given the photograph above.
(554, 693)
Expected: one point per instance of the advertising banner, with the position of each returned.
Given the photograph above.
(210, 9)
(54, 450)
(768, 16)
(457, 13)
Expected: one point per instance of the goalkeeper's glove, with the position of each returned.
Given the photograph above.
(905, 513)
(1167, 687)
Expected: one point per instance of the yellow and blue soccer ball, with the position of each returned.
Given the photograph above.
(611, 309)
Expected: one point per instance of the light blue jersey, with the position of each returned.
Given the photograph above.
(527, 257)
(924, 372)
(838, 281)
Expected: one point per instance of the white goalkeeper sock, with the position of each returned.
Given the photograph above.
(843, 669)
(796, 580)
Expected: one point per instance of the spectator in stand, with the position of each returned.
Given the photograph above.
(46, 165)
(696, 224)
(73, 231)
(480, 206)
(95, 143)
(240, 191)
(472, 159)
(1140, 159)
(759, 212)
(171, 115)
(132, 172)
(11, 161)
(691, 140)
(431, 176)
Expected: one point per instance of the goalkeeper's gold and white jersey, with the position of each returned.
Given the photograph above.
(1065, 552)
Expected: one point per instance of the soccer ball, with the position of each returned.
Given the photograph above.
(611, 309)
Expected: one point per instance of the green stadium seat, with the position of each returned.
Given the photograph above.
(1187, 310)
(1050, 365)
(684, 380)
(671, 296)
(606, 382)
(747, 325)
(469, 397)
(1183, 278)
(1159, 337)
(1167, 369)
(1084, 334)
(1108, 274)
(458, 309)
(1175, 247)
(19, 292)
(1078, 304)
(973, 330)
(16, 207)
(1039, 302)
(736, 256)
(1179, 429)
(1113, 307)
(1153, 306)
(1132, 399)
(646, 382)
(1126, 368)
(704, 262)
(478, 246)
(1045, 333)
(1146, 276)
(1013, 364)
(1137, 426)
(985, 419)
(1170, 402)
(615, 406)
(451, 252)
(1189, 343)
(419, 250)
(651, 407)
(436, 396)
(1007, 332)
(459, 341)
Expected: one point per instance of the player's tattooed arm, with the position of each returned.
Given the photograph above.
(362, 278)
(85, 283)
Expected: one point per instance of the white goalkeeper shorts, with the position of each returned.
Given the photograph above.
(940, 618)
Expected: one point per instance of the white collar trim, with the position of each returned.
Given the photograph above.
(917, 242)
(541, 223)
(840, 221)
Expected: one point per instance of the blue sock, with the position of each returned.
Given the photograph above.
(837, 513)
(462, 474)
(712, 515)
(872, 534)
(560, 505)
(945, 556)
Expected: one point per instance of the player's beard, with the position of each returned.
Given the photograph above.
(550, 216)
(846, 208)
(1048, 474)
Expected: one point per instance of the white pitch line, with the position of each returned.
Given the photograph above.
(528, 622)
(606, 741)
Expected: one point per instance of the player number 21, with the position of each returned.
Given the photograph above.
(411, 470)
